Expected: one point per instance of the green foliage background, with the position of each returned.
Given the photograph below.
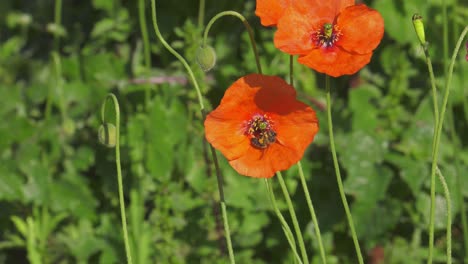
(58, 185)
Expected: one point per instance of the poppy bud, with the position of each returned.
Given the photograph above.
(206, 58)
(107, 135)
(419, 28)
(68, 127)
(56, 30)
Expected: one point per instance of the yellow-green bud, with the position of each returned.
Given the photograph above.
(206, 58)
(68, 127)
(419, 28)
(107, 135)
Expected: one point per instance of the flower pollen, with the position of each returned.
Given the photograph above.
(326, 36)
(260, 131)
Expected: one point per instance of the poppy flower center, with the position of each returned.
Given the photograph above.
(326, 36)
(260, 131)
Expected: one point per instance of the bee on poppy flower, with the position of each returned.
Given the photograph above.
(264, 140)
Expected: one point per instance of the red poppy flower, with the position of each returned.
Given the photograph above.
(260, 127)
(332, 37)
(270, 11)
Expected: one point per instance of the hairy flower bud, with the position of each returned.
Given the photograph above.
(206, 58)
(419, 28)
(107, 135)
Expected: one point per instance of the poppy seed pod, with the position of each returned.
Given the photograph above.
(107, 135)
(419, 28)
(206, 58)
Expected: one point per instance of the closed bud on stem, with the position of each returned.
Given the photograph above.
(419, 28)
(107, 135)
(206, 58)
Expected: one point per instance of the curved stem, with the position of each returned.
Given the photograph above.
(338, 174)
(119, 169)
(146, 46)
(449, 215)
(312, 213)
(202, 109)
(437, 141)
(246, 24)
(176, 54)
(297, 229)
(286, 229)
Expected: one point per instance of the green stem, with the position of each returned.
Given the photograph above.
(119, 169)
(436, 124)
(433, 86)
(222, 201)
(312, 213)
(291, 70)
(246, 24)
(57, 22)
(297, 229)
(338, 174)
(202, 109)
(303, 181)
(286, 229)
(455, 139)
(146, 46)
(58, 82)
(201, 13)
(176, 54)
(437, 141)
(449, 215)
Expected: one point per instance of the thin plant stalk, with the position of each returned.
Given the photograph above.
(453, 135)
(312, 213)
(338, 174)
(146, 46)
(304, 184)
(57, 22)
(436, 124)
(437, 138)
(284, 224)
(201, 13)
(459, 190)
(119, 169)
(247, 26)
(222, 200)
(449, 215)
(202, 109)
(297, 229)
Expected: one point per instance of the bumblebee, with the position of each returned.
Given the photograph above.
(264, 139)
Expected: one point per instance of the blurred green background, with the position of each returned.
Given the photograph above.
(58, 185)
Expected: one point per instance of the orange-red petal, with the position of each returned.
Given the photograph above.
(295, 27)
(270, 11)
(362, 29)
(294, 123)
(335, 61)
(301, 18)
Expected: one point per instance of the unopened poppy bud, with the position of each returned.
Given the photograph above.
(56, 30)
(69, 127)
(107, 135)
(206, 58)
(419, 28)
